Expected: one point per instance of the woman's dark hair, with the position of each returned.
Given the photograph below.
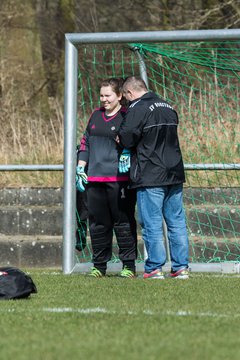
(116, 85)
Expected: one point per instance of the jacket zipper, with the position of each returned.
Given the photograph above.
(135, 171)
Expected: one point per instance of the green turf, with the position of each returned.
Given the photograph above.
(76, 317)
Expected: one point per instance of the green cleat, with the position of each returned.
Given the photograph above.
(127, 273)
(96, 273)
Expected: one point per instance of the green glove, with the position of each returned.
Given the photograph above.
(124, 161)
(81, 178)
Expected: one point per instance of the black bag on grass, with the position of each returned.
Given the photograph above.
(15, 284)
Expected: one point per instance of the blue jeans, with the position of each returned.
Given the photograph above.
(154, 204)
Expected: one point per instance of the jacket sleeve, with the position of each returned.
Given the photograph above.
(130, 131)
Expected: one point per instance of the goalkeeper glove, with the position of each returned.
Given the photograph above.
(124, 161)
(81, 178)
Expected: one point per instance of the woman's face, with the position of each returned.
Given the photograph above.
(109, 99)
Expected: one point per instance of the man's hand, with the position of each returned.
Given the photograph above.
(124, 161)
(81, 178)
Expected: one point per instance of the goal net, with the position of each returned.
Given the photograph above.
(201, 81)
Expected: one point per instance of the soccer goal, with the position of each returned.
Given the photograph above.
(197, 72)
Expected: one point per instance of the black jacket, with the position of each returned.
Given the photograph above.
(150, 131)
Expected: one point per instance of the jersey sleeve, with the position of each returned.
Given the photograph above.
(83, 152)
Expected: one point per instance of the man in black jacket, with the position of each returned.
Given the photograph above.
(149, 131)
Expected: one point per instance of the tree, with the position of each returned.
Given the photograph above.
(22, 78)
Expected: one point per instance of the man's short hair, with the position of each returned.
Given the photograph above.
(135, 83)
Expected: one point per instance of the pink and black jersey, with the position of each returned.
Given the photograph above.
(99, 148)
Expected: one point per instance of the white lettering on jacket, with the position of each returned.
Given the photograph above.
(159, 104)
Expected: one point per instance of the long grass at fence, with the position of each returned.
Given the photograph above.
(27, 139)
(32, 140)
(75, 317)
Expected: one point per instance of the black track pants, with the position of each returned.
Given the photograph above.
(111, 207)
(82, 216)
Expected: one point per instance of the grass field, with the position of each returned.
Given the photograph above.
(76, 317)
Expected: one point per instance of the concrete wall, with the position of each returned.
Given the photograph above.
(31, 223)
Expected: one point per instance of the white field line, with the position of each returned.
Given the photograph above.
(145, 312)
(98, 310)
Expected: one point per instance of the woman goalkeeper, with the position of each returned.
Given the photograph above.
(111, 205)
